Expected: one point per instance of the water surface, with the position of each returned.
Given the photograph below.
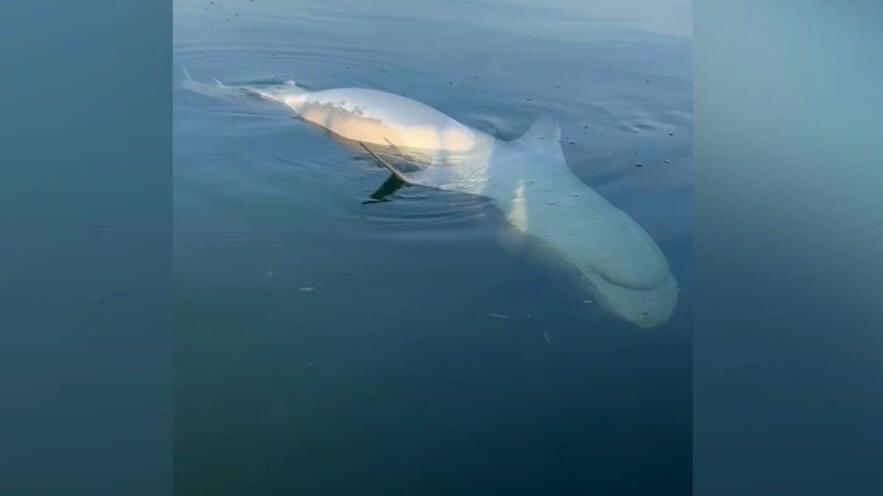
(326, 345)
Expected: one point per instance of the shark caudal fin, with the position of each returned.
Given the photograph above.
(216, 89)
(543, 134)
(273, 92)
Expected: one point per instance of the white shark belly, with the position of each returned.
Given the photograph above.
(380, 118)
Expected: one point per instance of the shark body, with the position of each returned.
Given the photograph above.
(528, 180)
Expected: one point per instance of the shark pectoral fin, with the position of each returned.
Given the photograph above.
(408, 172)
(389, 187)
(388, 166)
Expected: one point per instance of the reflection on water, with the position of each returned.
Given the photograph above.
(331, 344)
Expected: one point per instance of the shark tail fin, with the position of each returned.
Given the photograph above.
(274, 93)
(544, 133)
(216, 89)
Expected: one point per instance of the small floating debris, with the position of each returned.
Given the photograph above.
(587, 301)
(450, 82)
(638, 164)
(498, 316)
(274, 53)
(671, 134)
(305, 290)
(666, 161)
(310, 364)
(546, 337)
(557, 85)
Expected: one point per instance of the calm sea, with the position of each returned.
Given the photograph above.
(418, 346)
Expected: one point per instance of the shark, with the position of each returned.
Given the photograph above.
(527, 178)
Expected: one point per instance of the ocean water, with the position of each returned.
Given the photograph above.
(327, 344)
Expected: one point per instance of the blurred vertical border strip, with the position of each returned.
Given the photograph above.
(788, 326)
(85, 261)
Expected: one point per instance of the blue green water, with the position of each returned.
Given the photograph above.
(329, 346)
